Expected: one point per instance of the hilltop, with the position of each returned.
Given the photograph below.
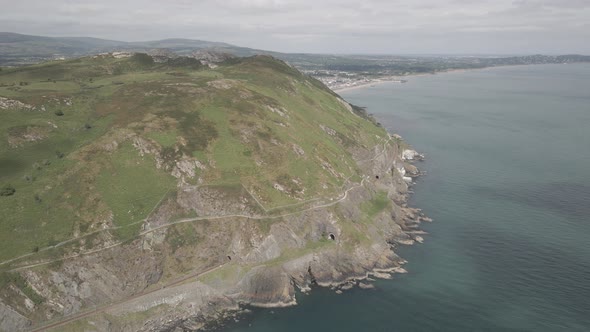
(336, 71)
(18, 49)
(127, 181)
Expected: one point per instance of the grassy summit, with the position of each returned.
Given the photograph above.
(98, 142)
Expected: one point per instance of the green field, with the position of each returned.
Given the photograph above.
(93, 142)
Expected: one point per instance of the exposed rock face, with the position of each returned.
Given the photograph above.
(266, 287)
(6, 103)
(249, 257)
(411, 155)
(298, 150)
(89, 280)
(20, 136)
(411, 170)
(121, 55)
(274, 285)
(213, 201)
(162, 55)
(346, 105)
(222, 84)
(10, 320)
(366, 286)
(328, 130)
(280, 111)
(211, 58)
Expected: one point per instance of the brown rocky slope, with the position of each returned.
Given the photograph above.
(206, 249)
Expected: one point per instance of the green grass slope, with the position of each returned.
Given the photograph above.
(98, 142)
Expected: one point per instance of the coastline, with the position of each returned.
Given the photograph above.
(396, 79)
(198, 304)
(336, 243)
(269, 287)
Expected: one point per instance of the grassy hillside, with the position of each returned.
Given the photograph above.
(98, 142)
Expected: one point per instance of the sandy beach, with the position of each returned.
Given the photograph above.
(396, 79)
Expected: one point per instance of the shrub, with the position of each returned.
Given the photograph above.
(87, 126)
(7, 190)
(59, 113)
(142, 59)
(59, 154)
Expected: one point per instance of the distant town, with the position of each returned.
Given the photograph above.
(339, 80)
(336, 71)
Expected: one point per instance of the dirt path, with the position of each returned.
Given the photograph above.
(181, 221)
(176, 282)
(105, 307)
(85, 235)
(186, 220)
(108, 306)
(99, 309)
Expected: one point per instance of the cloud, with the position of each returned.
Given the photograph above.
(328, 26)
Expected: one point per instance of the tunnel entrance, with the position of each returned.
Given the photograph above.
(229, 258)
(332, 237)
(377, 177)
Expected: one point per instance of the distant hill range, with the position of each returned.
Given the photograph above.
(18, 49)
(336, 71)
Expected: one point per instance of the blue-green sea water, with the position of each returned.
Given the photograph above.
(508, 185)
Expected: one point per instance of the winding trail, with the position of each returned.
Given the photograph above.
(104, 307)
(186, 220)
(107, 306)
(86, 235)
(182, 221)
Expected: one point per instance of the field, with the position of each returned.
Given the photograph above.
(98, 142)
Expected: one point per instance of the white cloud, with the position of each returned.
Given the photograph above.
(369, 26)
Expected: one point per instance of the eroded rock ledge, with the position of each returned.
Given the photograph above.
(150, 285)
(345, 262)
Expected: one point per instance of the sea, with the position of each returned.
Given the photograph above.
(508, 185)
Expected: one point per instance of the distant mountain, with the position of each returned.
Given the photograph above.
(17, 49)
(15, 45)
(336, 71)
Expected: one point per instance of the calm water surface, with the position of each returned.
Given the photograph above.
(508, 184)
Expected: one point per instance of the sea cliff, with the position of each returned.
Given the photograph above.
(183, 193)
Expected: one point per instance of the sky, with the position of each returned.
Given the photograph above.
(321, 26)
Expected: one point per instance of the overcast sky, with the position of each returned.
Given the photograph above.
(321, 26)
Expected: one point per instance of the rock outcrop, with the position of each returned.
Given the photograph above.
(10, 320)
(246, 212)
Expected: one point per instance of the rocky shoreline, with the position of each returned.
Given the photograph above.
(358, 273)
(227, 317)
(338, 245)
